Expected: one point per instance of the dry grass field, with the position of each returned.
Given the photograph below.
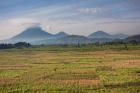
(58, 71)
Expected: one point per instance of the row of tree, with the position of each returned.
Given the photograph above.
(16, 45)
(24, 44)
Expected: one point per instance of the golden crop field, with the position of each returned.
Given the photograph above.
(52, 71)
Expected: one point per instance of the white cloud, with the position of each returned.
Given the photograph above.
(88, 10)
(72, 18)
(23, 21)
(13, 26)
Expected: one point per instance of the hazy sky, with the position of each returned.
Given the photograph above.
(72, 16)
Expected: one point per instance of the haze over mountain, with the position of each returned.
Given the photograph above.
(70, 39)
(31, 34)
(36, 36)
(60, 35)
(74, 39)
(133, 38)
(102, 34)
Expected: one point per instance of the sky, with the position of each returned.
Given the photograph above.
(81, 17)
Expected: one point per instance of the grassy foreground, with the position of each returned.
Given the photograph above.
(54, 69)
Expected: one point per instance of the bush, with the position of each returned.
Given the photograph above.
(22, 44)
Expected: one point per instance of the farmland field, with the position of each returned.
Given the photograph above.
(54, 69)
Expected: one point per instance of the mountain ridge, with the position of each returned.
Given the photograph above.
(102, 34)
(36, 35)
(60, 34)
(33, 33)
(135, 38)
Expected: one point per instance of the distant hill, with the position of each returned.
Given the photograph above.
(60, 35)
(102, 34)
(120, 36)
(36, 36)
(70, 39)
(31, 34)
(133, 38)
(73, 39)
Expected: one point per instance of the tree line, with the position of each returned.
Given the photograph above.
(24, 44)
(16, 45)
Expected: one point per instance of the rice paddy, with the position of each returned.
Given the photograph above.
(67, 70)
